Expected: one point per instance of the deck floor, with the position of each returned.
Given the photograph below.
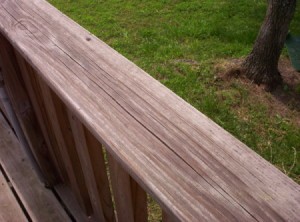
(10, 210)
(22, 196)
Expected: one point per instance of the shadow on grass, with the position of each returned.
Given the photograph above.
(289, 92)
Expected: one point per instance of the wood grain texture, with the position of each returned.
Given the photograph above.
(3, 97)
(120, 182)
(190, 165)
(139, 202)
(71, 203)
(92, 161)
(10, 210)
(130, 199)
(101, 175)
(24, 112)
(39, 202)
(34, 92)
(61, 127)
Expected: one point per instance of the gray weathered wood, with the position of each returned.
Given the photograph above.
(190, 165)
(166, 217)
(3, 96)
(10, 210)
(61, 127)
(139, 202)
(71, 203)
(93, 166)
(38, 201)
(33, 88)
(120, 181)
(129, 197)
(24, 112)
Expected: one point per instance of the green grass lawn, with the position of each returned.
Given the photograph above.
(180, 43)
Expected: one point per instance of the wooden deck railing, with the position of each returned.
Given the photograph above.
(75, 97)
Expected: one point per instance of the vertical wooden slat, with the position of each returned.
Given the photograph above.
(24, 112)
(166, 217)
(2, 109)
(92, 161)
(139, 202)
(4, 101)
(34, 92)
(100, 171)
(2, 96)
(129, 197)
(62, 130)
(71, 203)
(120, 181)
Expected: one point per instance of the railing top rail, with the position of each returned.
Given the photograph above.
(190, 165)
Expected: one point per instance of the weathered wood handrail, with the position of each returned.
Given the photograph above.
(85, 94)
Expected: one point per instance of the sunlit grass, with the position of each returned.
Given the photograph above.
(179, 43)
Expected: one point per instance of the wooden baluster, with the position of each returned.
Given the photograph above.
(129, 197)
(3, 97)
(34, 92)
(166, 217)
(62, 130)
(93, 165)
(24, 112)
(139, 202)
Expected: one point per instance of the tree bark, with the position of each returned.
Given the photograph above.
(261, 65)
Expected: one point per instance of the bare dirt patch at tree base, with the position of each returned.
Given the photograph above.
(283, 101)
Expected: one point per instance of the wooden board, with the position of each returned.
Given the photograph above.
(2, 96)
(24, 112)
(166, 217)
(92, 161)
(3, 99)
(190, 165)
(71, 203)
(10, 210)
(130, 199)
(35, 93)
(59, 120)
(39, 202)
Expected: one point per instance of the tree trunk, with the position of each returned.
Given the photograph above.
(261, 65)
